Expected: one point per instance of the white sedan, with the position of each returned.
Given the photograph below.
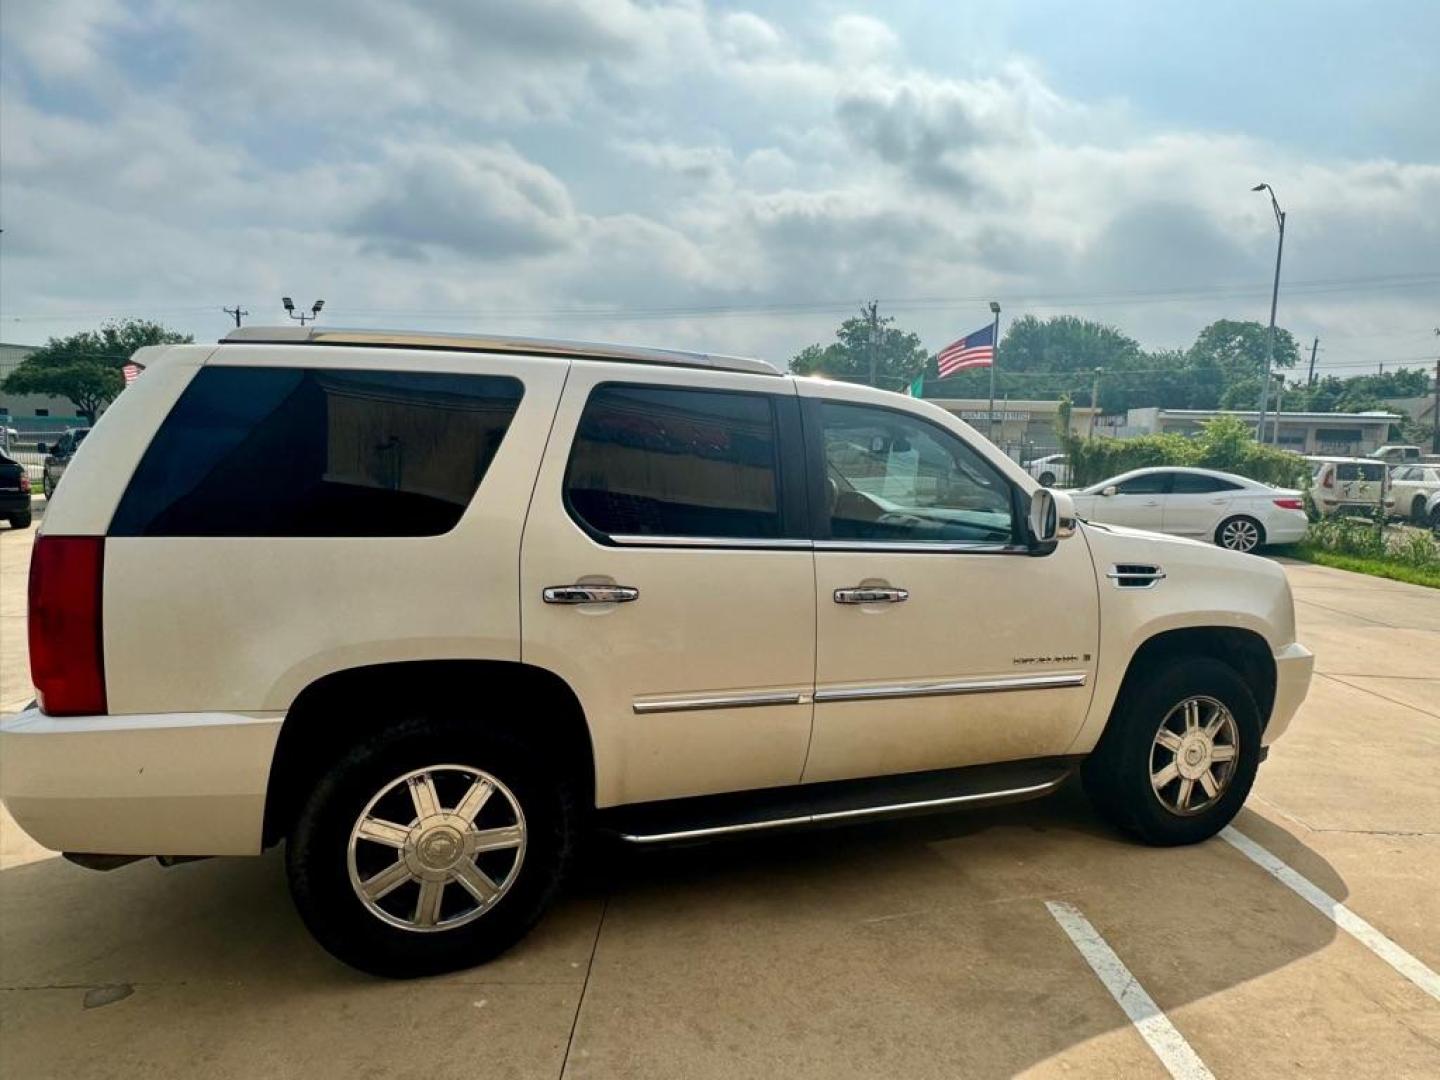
(1050, 470)
(1223, 508)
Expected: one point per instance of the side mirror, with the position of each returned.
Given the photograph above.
(1111, 490)
(1052, 515)
(42, 448)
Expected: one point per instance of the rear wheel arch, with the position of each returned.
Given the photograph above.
(1244, 651)
(337, 711)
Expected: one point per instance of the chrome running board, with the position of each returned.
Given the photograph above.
(840, 802)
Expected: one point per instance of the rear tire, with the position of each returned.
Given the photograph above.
(1417, 510)
(529, 818)
(1240, 533)
(1047, 479)
(21, 521)
(1124, 775)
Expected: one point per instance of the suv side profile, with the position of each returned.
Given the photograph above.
(515, 590)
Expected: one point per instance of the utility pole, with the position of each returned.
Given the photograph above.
(235, 313)
(1274, 300)
(1435, 415)
(871, 311)
(1314, 348)
(1095, 399)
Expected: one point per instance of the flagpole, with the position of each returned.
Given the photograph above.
(994, 359)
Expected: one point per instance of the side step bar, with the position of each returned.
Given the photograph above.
(837, 802)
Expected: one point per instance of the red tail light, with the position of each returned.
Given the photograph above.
(67, 652)
(1290, 504)
(24, 483)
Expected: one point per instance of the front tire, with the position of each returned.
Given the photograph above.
(431, 846)
(1240, 533)
(1179, 755)
(1047, 479)
(1417, 510)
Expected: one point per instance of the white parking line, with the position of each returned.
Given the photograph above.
(1154, 1026)
(1414, 970)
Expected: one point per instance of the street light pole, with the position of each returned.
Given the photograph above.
(1274, 299)
(289, 306)
(994, 359)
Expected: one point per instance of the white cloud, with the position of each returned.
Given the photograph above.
(458, 162)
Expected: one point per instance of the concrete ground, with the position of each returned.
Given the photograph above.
(915, 949)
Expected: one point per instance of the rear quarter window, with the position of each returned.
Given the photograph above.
(252, 451)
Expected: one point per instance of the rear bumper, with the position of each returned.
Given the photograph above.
(143, 784)
(1294, 664)
(14, 503)
(1289, 529)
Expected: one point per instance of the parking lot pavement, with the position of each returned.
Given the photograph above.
(930, 947)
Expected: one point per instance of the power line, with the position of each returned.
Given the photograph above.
(1024, 301)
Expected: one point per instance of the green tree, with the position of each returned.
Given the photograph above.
(899, 356)
(1237, 349)
(86, 367)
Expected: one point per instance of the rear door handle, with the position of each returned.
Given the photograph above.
(871, 595)
(590, 594)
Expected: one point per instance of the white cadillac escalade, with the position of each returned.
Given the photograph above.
(429, 608)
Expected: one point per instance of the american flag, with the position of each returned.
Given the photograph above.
(975, 349)
(131, 372)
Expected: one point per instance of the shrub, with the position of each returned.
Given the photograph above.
(1224, 443)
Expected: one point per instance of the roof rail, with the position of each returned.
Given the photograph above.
(493, 343)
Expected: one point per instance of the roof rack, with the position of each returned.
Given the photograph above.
(494, 343)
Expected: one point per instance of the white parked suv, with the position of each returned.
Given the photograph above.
(513, 590)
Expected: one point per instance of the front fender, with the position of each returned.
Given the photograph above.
(1203, 587)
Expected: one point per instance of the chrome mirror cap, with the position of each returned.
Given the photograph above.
(1052, 515)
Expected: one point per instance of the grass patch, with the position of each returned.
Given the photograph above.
(1361, 564)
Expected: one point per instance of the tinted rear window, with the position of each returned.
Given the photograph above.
(1358, 470)
(651, 461)
(1197, 484)
(251, 451)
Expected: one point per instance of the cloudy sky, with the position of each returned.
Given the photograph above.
(735, 177)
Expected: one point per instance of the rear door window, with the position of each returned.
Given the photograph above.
(264, 451)
(668, 462)
(1195, 484)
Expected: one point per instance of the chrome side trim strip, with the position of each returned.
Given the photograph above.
(842, 815)
(787, 543)
(1058, 681)
(902, 547)
(720, 701)
(710, 542)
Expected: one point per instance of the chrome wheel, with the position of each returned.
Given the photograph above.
(436, 848)
(1194, 755)
(1240, 534)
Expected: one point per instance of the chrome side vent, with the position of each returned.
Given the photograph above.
(1136, 575)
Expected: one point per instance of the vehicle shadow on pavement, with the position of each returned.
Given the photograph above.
(912, 948)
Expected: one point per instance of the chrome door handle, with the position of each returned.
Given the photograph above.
(590, 594)
(871, 595)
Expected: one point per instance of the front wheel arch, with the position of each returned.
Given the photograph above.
(1243, 650)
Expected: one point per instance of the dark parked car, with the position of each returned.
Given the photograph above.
(57, 457)
(14, 492)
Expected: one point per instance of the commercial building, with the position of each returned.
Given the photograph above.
(1023, 428)
(28, 413)
(1302, 432)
